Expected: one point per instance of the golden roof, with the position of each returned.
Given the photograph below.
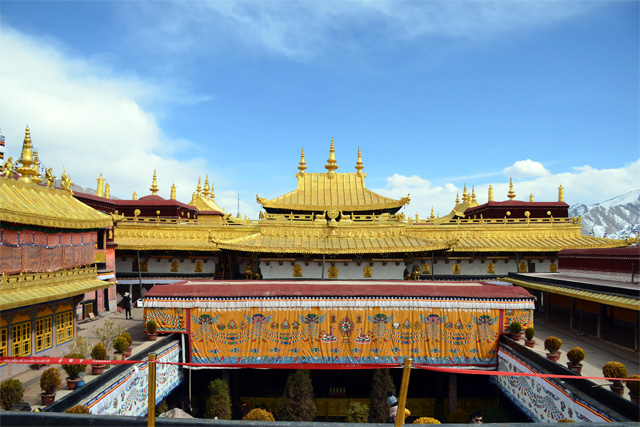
(26, 203)
(533, 244)
(602, 298)
(321, 191)
(158, 237)
(28, 289)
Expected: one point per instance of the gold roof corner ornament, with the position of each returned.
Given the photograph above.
(115, 216)
(49, 177)
(66, 181)
(331, 165)
(135, 196)
(490, 195)
(173, 191)
(360, 165)
(632, 240)
(531, 198)
(8, 168)
(107, 191)
(99, 189)
(154, 184)
(561, 193)
(207, 190)
(302, 166)
(199, 187)
(511, 194)
(29, 165)
(406, 200)
(260, 200)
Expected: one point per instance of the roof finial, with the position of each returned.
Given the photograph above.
(465, 194)
(561, 193)
(154, 184)
(331, 165)
(359, 164)
(207, 190)
(303, 164)
(29, 165)
(473, 195)
(107, 191)
(457, 197)
(531, 197)
(135, 196)
(490, 197)
(511, 195)
(213, 196)
(1, 146)
(173, 191)
(100, 188)
(432, 215)
(66, 181)
(199, 187)
(37, 179)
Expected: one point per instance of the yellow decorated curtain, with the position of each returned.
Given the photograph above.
(356, 336)
(525, 317)
(168, 319)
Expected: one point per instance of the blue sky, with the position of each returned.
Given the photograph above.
(436, 94)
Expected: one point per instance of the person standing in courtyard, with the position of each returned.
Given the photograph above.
(127, 306)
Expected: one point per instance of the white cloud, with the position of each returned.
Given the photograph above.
(525, 169)
(583, 184)
(89, 121)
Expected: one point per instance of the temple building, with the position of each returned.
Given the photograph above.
(53, 261)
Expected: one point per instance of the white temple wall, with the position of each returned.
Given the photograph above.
(352, 271)
(165, 265)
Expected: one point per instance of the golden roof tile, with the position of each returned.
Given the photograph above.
(533, 244)
(26, 203)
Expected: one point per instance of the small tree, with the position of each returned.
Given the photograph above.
(80, 346)
(50, 381)
(11, 392)
(357, 413)
(298, 404)
(218, 403)
(576, 355)
(515, 327)
(99, 352)
(529, 333)
(258, 414)
(120, 344)
(108, 333)
(78, 409)
(127, 336)
(381, 384)
(152, 326)
(73, 371)
(615, 370)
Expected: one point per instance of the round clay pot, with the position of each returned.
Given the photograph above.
(152, 337)
(72, 384)
(97, 369)
(575, 368)
(619, 390)
(128, 352)
(635, 399)
(47, 399)
(530, 344)
(554, 356)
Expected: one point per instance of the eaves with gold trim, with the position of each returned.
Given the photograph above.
(26, 289)
(601, 298)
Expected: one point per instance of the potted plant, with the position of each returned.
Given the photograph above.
(120, 345)
(152, 327)
(11, 392)
(575, 356)
(552, 345)
(615, 370)
(634, 389)
(50, 382)
(74, 371)
(78, 409)
(127, 336)
(515, 328)
(98, 353)
(529, 333)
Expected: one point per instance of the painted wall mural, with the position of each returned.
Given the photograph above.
(542, 399)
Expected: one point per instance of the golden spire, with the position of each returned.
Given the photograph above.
(432, 215)
(107, 191)
(511, 195)
(213, 196)
(37, 179)
(154, 184)
(490, 197)
(206, 191)
(359, 164)
(465, 195)
(561, 193)
(331, 165)
(29, 165)
(135, 196)
(99, 189)
(199, 187)
(457, 197)
(303, 164)
(531, 197)
(173, 191)
(473, 195)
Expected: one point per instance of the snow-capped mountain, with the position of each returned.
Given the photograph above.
(616, 218)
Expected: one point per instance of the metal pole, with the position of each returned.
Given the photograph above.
(151, 412)
(404, 387)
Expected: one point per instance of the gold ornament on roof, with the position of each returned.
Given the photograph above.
(154, 184)
(432, 215)
(99, 189)
(66, 181)
(359, 165)
(199, 187)
(465, 195)
(135, 196)
(531, 197)
(457, 198)
(490, 198)
(561, 193)
(8, 168)
(29, 165)
(331, 165)
(473, 195)
(511, 194)
(173, 192)
(37, 179)
(107, 191)
(48, 176)
(303, 165)
(207, 190)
